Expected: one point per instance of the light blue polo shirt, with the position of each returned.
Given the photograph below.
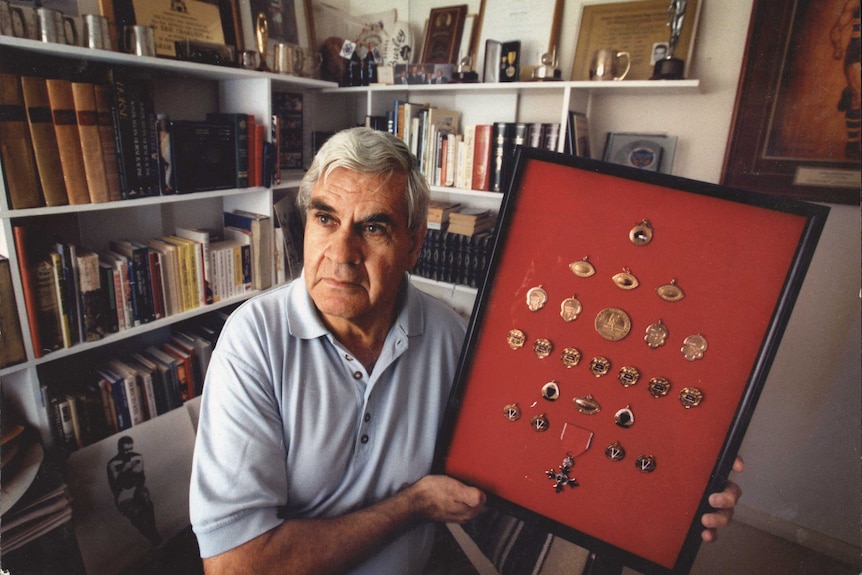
(289, 419)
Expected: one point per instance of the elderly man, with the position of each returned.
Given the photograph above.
(324, 397)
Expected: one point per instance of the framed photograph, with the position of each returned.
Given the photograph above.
(604, 389)
(652, 152)
(639, 28)
(443, 32)
(795, 130)
(173, 20)
(533, 23)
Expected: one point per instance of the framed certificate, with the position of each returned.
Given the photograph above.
(620, 341)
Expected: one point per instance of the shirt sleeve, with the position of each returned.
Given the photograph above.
(238, 474)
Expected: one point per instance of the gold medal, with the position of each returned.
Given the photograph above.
(536, 298)
(582, 268)
(641, 234)
(512, 411)
(542, 348)
(587, 405)
(658, 387)
(615, 451)
(670, 292)
(628, 376)
(626, 280)
(690, 397)
(600, 366)
(570, 308)
(694, 347)
(570, 357)
(613, 324)
(551, 391)
(516, 339)
(656, 335)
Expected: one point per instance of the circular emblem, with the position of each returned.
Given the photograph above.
(536, 298)
(628, 376)
(540, 422)
(624, 417)
(613, 324)
(658, 387)
(600, 366)
(570, 308)
(690, 397)
(656, 335)
(694, 347)
(516, 339)
(641, 234)
(645, 463)
(570, 357)
(551, 391)
(615, 451)
(512, 411)
(542, 348)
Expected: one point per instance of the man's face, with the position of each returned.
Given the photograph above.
(357, 247)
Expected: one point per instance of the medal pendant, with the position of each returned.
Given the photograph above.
(613, 324)
(641, 234)
(537, 297)
(570, 308)
(582, 268)
(670, 292)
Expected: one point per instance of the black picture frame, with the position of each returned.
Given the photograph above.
(561, 208)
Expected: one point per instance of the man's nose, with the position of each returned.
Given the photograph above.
(344, 246)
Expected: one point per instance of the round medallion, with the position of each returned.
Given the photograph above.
(658, 387)
(628, 376)
(537, 297)
(512, 411)
(540, 422)
(645, 463)
(551, 391)
(570, 357)
(690, 397)
(542, 348)
(641, 234)
(600, 366)
(582, 268)
(624, 417)
(670, 292)
(613, 324)
(516, 338)
(587, 405)
(626, 280)
(570, 308)
(694, 347)
(656, 335)
(615, 451)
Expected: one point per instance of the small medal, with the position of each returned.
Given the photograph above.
(641, 234)
(537, 297)
(551, 391)
(656, 335)
(562, 479)
(628, 376)
(670, 292)
(600, 366)
(542, 348)
(694, 347)
(690, 397)
(540, 422)
(582, 268)
(624, 417)
(658, 387)
(512, 411)
(570, 308)
(626, 280)
(570, 357)
(645, 463)
(587, 405)
(516, 339)
(615, 451)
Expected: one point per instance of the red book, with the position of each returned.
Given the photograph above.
(28, 285)
(259, 137)
(253, 153)
(482, 157)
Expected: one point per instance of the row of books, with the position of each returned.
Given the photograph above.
(123, 391)
(78, 142)
(475, 156)
(74, 294)
(455, 258)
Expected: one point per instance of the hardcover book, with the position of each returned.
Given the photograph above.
(44, 140)
(84, 98)
(135, 130)
(11, 341)
(68, 140)
(203, 155)
(240, 123)
(15, 146)
(108, 140)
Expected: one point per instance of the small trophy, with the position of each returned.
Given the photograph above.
(669, 67)
(262, 35)
(465, 73)
(547, 70)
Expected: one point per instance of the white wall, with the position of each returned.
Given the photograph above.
(803, 446)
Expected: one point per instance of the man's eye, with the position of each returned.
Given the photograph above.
(324, 218)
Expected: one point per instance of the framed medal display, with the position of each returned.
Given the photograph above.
(619, 343)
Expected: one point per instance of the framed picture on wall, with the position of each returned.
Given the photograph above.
(796, 125)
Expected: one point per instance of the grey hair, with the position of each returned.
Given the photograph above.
(369, 151)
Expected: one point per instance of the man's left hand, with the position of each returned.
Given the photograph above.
(723, 502)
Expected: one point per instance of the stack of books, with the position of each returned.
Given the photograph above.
(438, 213)
(470, 221)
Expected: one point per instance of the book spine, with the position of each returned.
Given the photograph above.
(240, 123)
(481, 179)
(44, 140)
(108, 142)
(68, 140)
(89, 283)
(501, 156)
(16, 149)
(131, 128)
(11, 341)
(110, 284)
(84, 99)
(64, 304)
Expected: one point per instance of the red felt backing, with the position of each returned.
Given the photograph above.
(731, 260)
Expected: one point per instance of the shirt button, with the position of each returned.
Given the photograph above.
(357, 375)
(364, 439)
(348, 357)
(367, 417)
